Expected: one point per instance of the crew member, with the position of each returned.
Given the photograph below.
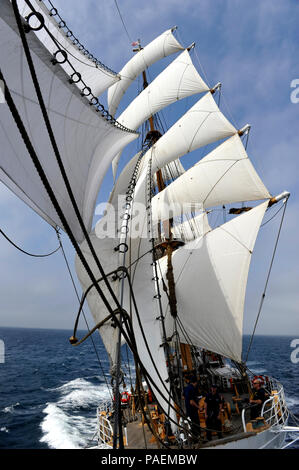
(259, 397)
(192, 406)
(213, 408)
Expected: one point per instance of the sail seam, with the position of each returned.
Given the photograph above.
(212, 189)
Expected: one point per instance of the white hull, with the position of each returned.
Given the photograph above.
(268, 439)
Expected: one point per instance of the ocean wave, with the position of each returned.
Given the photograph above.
(59, 430)
(292, 402)
(11, 408)
(258, 371)
(62, 427)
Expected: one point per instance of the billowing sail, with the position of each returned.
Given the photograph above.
(162, 46)
(179, 80)
(94, 73)
(203, 124)
(87, 142)
(224, 176)
(210, 280)
(105, 249)
(104, 239)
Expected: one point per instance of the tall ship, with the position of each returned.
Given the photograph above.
(160, 279)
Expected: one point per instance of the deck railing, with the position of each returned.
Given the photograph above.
(104, 428)
(274, 409)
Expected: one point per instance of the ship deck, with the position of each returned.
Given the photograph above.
(139, 435)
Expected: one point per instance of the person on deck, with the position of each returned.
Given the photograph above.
(192, 406)
(256, 402)
(213, 408)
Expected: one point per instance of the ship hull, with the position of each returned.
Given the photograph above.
(267, 439)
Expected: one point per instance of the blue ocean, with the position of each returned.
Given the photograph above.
(49, 390)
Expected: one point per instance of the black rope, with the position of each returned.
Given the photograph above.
(76, 78)
(26, 252)
(62, 24)
(78, 297)
(122, 20)
(62, 170)
(47, 185)
(267, 281)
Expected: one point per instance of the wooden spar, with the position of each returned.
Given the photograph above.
(186, 357)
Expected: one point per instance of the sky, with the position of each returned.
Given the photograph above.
(252, 48)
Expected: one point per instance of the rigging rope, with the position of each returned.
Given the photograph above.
(77, 78)
(267, 280)
(122, 20)
(62, 24)
(77, 295)
(26, 252)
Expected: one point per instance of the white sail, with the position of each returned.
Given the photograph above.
(104, 239)
(203, 124)
(105, 249)
(210, 280)
(96, 75)
(86, 141)
(179, 80)
(164, 45)
(192, 228)
(224, 176)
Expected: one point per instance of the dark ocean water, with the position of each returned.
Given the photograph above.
(49, 391)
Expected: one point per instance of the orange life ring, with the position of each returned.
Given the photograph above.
(125, 397)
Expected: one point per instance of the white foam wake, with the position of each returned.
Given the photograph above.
(64, 426)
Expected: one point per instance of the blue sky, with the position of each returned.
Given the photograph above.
(252, 48)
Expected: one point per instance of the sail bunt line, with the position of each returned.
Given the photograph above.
(210, 278)
(224, 176)
(91, 71)
(177, 81)
(163, 46)
(87, 142)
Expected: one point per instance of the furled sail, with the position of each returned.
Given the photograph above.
(177, 81)
(87, 142)
(224, 176)
(163, 46)
(203, 124)
(94, 73)
(210, 278)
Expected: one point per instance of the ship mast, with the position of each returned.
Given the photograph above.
(167, 245)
